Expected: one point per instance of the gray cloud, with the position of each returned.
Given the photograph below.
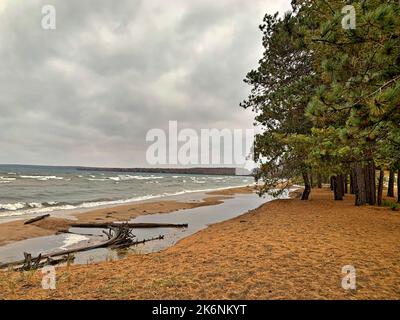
(87, 92)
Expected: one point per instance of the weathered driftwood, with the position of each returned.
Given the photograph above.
(104, 244)
(31, 263)
(40, 263)
(76, 233)
(36, 219)
(123, 246)
(130, 225)
(119, 236)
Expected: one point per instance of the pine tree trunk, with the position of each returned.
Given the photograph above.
(380, 187)
(333, 186)
(307, 186)
(352, 182)
(342, 178)
(398, 186)
(319, 181)
(331, 183)
(367, 183)
(370, 183)
(338, 187)
(359, 185)
(390, 192)
(345, 181)
(373, 183)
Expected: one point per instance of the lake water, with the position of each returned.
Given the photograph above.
(32, 190)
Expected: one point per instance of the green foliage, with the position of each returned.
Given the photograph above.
(361, 80)
(281, 89)
(390, 204)
(328, 97)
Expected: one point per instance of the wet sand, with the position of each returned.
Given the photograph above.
(16, 230)
(286, 249)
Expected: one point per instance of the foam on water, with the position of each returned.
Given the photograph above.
(72, 239)
(42, 178)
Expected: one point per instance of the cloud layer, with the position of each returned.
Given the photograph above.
(87, 92)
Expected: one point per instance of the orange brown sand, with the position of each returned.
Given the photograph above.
(286, 249)
(16, 230)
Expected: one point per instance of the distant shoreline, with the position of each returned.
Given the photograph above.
(221, 171)
(203, 171)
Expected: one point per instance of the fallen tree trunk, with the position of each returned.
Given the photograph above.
(36, 219)
(130, 225)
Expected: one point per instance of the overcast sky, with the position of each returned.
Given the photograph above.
(88, 92)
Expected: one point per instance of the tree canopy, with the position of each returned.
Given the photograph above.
(327, 95)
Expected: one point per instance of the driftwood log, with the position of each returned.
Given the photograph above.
(125, 245)
(130, 225)
(36, 219)
(36, 263)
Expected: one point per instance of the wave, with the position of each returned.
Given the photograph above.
(130, 177)
(32, 205)
(124, 178)
(12, 206)
(42, 178)
(7, 179)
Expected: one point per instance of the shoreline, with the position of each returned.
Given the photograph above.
(12, 231)
(90, 206)
(285, 249)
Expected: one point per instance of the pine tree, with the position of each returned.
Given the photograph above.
(360, 92)
(281, 88)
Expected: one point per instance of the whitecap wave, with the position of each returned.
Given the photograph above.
(130, 177)
(7, 179)
(23, 205)
(97, 179)
(12, 206)
(42, 178)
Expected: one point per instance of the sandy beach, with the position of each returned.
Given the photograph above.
(286, 249)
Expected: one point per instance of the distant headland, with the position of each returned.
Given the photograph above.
(205, 171)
